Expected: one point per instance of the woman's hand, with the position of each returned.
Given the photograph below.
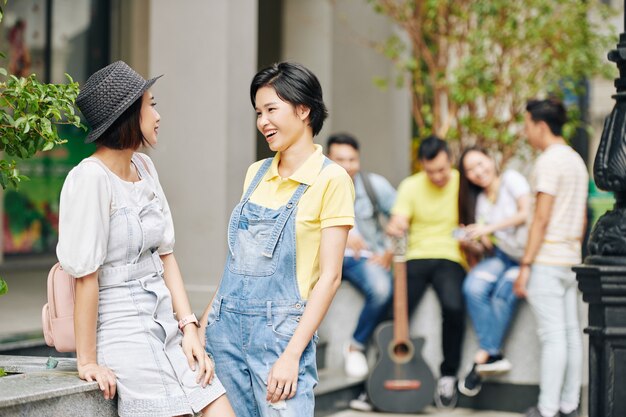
(202, 335)
(195, 353)
(476, 231)
(102, 375)
(519, 287)
(282, 381)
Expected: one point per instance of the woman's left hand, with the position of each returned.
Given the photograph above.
(195, 353)
(475, 231)
(282, 381)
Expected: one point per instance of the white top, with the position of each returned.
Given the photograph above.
(513, 185)
(85, 209)
(561, 172)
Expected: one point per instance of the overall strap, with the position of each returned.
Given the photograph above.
(257, 179)
(233, 224)
(272, 241)
(142, 166)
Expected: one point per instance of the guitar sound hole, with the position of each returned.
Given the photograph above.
(401, 350)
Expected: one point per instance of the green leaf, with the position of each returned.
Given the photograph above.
(48, 146)
(3, 287)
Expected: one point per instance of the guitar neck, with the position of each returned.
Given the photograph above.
(400, 297)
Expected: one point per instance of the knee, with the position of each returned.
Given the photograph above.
(555, 337)
(454, 314)
(380, 289)
(475, 285)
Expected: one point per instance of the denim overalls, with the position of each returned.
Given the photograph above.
(137, 334)
(258, 307)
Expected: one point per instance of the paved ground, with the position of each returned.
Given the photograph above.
(430, 412)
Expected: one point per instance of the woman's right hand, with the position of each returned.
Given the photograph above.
(102, 375)
(202, 335)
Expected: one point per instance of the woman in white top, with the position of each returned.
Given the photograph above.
(116, 236)
(493, 208)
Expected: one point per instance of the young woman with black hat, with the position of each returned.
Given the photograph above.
(117, 237)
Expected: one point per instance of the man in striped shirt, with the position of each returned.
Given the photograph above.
(559, 184)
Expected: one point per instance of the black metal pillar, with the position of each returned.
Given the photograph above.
(602, 278)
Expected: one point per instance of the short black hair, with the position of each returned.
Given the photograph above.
(125, 132)
(294, 84)
(430, 147)
(551, 111)
(342, 139)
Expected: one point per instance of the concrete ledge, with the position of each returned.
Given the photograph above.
(334, 391)
(34, 390)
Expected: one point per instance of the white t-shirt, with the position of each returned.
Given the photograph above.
(561, 172)
(513, 185)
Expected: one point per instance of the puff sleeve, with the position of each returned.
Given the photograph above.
(84, 213)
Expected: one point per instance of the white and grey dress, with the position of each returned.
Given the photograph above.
(120, 228)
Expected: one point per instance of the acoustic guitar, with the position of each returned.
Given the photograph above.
(401, 381)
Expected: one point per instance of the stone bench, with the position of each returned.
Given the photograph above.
(31, 389)
(514, 391)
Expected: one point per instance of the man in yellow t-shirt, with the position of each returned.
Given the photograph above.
(427, 208)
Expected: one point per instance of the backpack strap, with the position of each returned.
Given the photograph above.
(371, 194)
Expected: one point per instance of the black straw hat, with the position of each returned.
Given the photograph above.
(108, 93)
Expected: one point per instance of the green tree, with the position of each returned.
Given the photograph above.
(471, 65)
(30, 112)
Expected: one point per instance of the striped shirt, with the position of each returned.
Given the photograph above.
(561, 172)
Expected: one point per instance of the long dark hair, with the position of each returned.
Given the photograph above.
(468, 191)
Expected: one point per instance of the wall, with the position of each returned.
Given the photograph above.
(207, 51)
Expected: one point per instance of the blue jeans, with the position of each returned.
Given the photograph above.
(374, 282)
(488, 290)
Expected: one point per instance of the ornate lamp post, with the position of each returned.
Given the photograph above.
(602, 277)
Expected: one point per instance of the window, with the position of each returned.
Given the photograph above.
(49, 38)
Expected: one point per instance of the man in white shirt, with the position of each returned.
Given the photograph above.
(559, 186)
(367, 259)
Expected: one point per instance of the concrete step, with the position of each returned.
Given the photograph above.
(334, 391)
(459, 412)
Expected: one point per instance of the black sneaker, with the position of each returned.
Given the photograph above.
(472, 383)
(446, 395)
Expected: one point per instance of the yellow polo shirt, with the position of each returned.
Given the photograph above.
(433, 213)
(329, 201)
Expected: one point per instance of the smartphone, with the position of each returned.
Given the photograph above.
(459, 233)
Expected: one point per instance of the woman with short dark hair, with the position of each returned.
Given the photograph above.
(116, 236)
(286, 240)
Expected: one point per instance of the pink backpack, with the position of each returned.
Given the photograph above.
(57, 315)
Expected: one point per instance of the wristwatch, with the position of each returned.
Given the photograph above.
(188, 319)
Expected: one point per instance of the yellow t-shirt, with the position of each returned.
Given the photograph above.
(329, 201)
(433, 214)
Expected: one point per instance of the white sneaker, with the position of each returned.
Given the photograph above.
(498, 366)
(355, 363)
(446, 396)
(361, 403)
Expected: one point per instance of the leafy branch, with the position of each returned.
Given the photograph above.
(30, 112)
(470, 66)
